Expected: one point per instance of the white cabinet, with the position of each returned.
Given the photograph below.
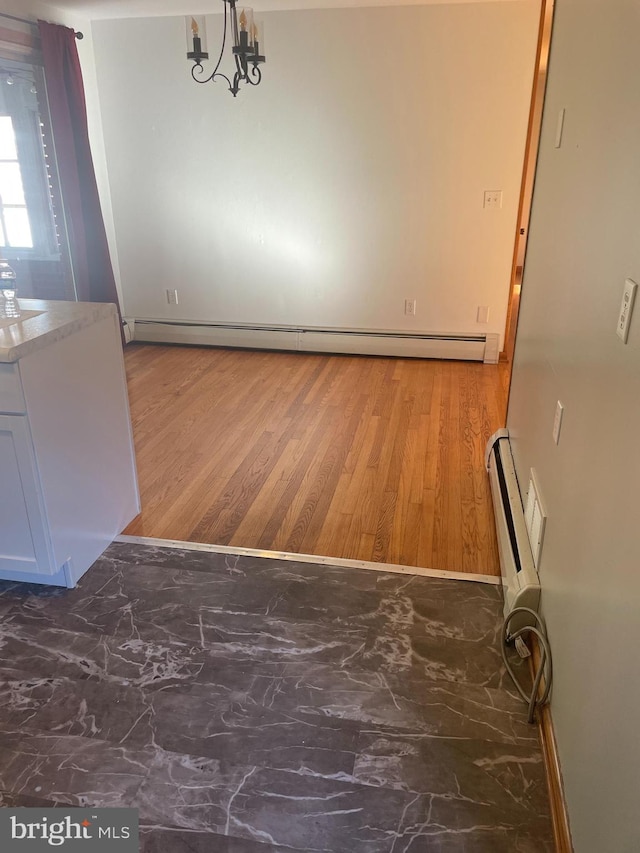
(25, 544)
(68, 483)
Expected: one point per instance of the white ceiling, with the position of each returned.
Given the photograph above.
(103, 9)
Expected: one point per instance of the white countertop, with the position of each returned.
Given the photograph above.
(53, 321)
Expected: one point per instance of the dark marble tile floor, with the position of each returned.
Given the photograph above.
(249, 705)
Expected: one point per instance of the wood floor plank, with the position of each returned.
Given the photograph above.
(315, 443)
(353, 501)
(345, 456)
(448, 535)
(317, 504)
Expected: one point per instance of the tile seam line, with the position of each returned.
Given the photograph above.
(338, 562)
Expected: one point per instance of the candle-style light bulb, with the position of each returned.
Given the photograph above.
(243, 21)
(257, 38)
(196, 38)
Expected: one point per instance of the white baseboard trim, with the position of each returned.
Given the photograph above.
(472, 347)
(309, 558)
(129, 328)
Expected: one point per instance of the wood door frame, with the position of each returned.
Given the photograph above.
(532, 146)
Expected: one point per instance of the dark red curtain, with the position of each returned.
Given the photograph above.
(87, 238)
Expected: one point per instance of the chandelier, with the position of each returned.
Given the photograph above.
(246, 36)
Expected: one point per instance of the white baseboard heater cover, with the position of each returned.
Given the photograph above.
(520, 580)
(482, 347)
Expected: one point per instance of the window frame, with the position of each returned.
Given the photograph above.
(29, 128)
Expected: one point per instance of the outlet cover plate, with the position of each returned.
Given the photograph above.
(492, 199)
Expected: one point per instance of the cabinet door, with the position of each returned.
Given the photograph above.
(24, 537)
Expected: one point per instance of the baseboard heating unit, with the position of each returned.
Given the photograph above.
(471, 347)
(520, 580)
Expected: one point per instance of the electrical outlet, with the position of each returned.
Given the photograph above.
(172, 297)
(410, 307)
(492, 199)
(483, 314)
(624, 318)
(557, 421)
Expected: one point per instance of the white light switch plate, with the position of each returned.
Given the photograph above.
(483, 314)
(624, 318)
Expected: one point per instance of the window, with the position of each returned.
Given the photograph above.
(32, 233)
(15, 230)
(27, 222)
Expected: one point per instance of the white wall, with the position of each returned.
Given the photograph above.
(351, 179)
(584, 242)
(29, 9)
(33, 10)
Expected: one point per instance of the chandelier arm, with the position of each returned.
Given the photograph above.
(241, 69)
(197, 67)
(224, 77)
(212, 77)
(236, 84)
(255, 72)
(224, 41)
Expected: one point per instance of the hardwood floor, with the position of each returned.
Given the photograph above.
(365, 458)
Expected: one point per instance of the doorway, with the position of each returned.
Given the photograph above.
(528, 177)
